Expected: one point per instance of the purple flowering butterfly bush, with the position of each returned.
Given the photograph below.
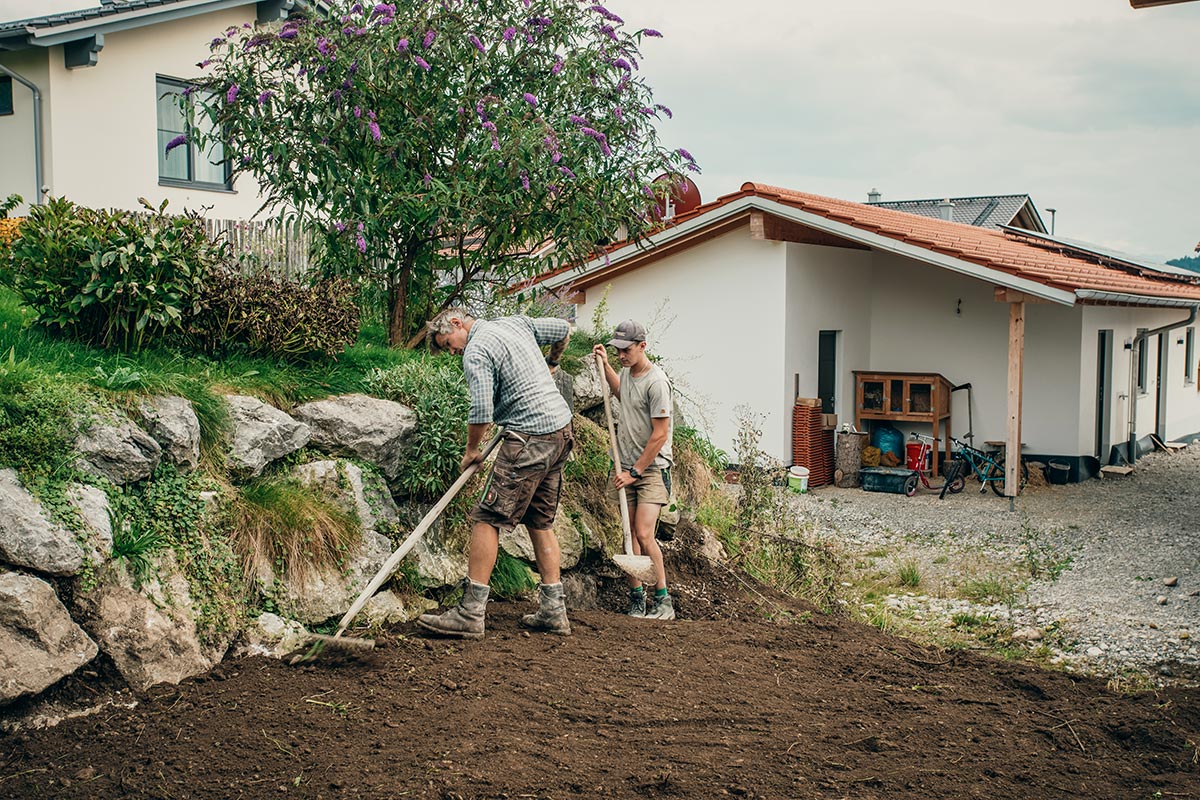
(178, 141)
(430, 35)
(265, 96)
(558, 67)
(340, 227)
(422, 63)
(531, 99)
(375, 132)
(509, 33)
(231, 95)
(651, 33)
(402, 45)
(478, 45)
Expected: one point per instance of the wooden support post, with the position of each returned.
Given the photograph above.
(1016, 364)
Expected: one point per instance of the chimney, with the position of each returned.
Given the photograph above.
(946, 210)
(874, 196)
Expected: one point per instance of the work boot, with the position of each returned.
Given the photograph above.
(663, 609)
(465, 620)
(637, 604)
(551, 616)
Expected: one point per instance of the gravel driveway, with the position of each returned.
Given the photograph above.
(1106, 573)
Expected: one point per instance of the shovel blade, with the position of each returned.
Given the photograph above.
(640, 567)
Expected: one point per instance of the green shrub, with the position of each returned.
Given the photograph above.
(511, 577)
(110, 278)
(435, 388)
(39, 418)
(134, 542)
(261, 315)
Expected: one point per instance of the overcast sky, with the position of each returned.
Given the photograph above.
(1088, 106)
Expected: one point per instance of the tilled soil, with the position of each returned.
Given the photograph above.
(748, 694)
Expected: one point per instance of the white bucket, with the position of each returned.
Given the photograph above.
(798, 479)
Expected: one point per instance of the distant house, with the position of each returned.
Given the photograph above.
(985, 211)
(87, 103)
(768, 289)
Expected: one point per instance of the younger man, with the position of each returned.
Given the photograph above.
(644, 440)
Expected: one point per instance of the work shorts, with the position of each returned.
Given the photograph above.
(653, 487)
(526, 481)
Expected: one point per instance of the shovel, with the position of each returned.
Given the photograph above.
(640, 567)
(318, 643)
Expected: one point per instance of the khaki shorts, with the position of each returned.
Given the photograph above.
(526, 481)
(654, 487)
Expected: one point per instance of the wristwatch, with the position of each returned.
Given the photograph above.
(634, 473)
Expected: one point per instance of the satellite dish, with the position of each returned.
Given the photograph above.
(683, 196)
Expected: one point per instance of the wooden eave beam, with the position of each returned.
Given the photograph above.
(1004, 295)
(767, 227)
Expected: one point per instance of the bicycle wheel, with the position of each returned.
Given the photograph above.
(910, 485)
(996, 478)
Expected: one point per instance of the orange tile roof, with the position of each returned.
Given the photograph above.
(1048, 263)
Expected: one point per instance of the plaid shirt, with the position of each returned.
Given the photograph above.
(507, 375)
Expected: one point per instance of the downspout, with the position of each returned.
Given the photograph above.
(37, 130)
(1139, 341)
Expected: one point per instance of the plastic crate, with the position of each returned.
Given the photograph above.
(896, 480)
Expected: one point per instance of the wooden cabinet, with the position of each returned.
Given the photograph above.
(922, 397)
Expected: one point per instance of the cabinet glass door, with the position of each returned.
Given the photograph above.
(872, 395)
(897, 397)
(920, 397)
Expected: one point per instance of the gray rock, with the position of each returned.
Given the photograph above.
(437, 566)
(1161, 599)
(587, 388)
(261, 434)
(363, 493)
(39, 643)
(357, 426)
(389, 608)
(93, 508)
(28, 538)
(273, 636)
(1027, 635)
(325, 593)
(172, 422)
(516, 542)
(582, 591)
(1172, 581)
(118, 450)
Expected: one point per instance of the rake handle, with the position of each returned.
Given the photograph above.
(430, 517)
(616, 457)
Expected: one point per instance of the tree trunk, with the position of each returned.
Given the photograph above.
(397, 312)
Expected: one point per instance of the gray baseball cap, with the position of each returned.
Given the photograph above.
(627, 333)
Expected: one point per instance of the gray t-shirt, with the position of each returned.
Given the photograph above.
(643, 399)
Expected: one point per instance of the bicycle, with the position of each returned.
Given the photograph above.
(951, 483)
(984, 467)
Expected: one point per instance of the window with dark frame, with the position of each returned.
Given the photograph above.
(185, 164)
(6, 97)
(1141, 363)
(1189, 358)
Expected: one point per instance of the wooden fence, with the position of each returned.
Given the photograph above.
(280, 250)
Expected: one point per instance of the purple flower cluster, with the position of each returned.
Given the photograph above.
(608, 15)
(265, 96)
(525, 180)
(651, 33)
(402, 45)
(323, 46)
(373, 126)
(478, 45)
(422, 63)
(599, 137)
(427, 180)
(340, 227)
(509, 33)
(178, 141)
(531, 99)
(430, 35)
(664, 110)
(231, 95)
(558, 66)
(383, 13)
(609, 31)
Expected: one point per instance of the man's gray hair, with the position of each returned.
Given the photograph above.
(440, 324)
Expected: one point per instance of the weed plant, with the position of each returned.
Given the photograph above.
(511, 577)
(909, 573)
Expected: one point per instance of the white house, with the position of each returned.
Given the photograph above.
(87, 101)
(740, 293)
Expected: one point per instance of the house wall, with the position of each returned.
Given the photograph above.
(101, 139)
(916, 326)
(715, 313)
(824, 287)
(16, 129)
(1183, 399)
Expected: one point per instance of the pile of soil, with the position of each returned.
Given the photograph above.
(749, 694)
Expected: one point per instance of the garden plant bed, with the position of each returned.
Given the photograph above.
(748, 694)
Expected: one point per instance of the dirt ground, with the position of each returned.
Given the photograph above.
(748, 695)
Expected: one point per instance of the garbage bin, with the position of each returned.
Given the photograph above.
(1058, 473)
(913, 459)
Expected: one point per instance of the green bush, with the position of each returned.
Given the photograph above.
(258, 314)
(110, 278)
(38, 423)
(435, 388)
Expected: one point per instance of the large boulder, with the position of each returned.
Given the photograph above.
(28, 538)
(389, 608)
(357, 426)
(363, 493)
(516, 542)
(323, 593)
(437, 565)
(39, 643)
(93, 508)
(273, 636)
(261, 434)
(171, 421)
(588, 391)
(116, 449)
(148, 630)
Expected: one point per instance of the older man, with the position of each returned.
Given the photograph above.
(510, 385)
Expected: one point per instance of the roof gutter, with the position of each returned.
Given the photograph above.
(826, 225)
(37, 131)
(1120, 298)
(1139, 341)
